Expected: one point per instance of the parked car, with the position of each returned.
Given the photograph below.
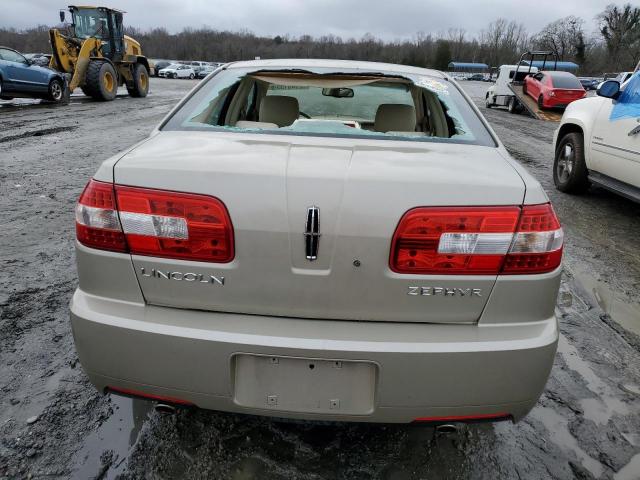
(477, 77)
(20, 78)
(197, 65)
(553, 89)
(589, 83)
(177, 70)
(205, 71)
(41, 59)
(598, 141)
(623, 77)
(297, 242)
(160, 65)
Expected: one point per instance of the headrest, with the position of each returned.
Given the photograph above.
(395, 117)
(279, 109)
(254, 125)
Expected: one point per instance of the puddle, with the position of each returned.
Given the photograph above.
(118, 434)
(630, 471)
(605, 404)
(559, 434)
(625, 313)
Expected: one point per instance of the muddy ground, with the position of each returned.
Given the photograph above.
(53, 424)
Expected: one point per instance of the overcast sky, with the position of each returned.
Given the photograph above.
(387, 19)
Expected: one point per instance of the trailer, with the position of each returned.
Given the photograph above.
(507, 91)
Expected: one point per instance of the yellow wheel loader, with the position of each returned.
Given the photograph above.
(96, 54)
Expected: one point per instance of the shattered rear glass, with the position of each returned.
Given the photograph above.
(348, 103)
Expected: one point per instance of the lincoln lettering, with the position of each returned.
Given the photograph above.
(445, 292)
(182, 277)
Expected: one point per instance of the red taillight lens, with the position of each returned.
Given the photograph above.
(477, 241)
(97, 223)
(157, 223)
(442, 240)
(175, 225)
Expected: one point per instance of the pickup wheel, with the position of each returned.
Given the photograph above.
(569, 167)
(192, 76)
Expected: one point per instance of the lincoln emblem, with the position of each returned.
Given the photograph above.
(312, 233)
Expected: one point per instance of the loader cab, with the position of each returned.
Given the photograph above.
(102, 23)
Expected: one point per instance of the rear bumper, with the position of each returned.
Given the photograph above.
(422, 370)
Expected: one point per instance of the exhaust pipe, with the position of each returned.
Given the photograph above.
(165, 409)
(447, 428)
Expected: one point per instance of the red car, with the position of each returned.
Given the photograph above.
(554, 89)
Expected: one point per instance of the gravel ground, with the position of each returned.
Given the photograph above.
(54, 424)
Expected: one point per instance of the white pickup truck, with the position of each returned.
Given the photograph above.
(598, 141)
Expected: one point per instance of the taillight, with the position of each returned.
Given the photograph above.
(477, 241)
(97, 223)
(537, 243)
(156, 223)
(175, 225)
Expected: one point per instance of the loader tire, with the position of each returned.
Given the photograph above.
(101, 81)
(140, 86)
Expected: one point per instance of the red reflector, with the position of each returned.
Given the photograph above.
(535, 218)
(175, 225)
(97, 224)
(414, 248)
(465, 418)
(538, 218)
(150, 396)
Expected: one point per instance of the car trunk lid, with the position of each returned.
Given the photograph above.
(357, 189)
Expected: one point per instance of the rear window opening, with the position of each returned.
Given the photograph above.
(343, 104)
(565, 80)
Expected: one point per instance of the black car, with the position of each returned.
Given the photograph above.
(589, 83)
(159, 66)
(205, 71)
(477, 77)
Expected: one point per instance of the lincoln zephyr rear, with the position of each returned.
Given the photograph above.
(320, 240)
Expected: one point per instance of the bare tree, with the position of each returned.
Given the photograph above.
(503, 41)
(564, 37)
(620, 28)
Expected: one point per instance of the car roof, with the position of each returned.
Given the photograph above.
(338, 65)
(558, 73)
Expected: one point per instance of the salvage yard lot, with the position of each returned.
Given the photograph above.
(54, 424)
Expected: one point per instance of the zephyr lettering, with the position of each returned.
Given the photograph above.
(180, 276)
(444, 292)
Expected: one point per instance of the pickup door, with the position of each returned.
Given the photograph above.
(361, 189)
(615, 141)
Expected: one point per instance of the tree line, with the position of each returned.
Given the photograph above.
(609, 43)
